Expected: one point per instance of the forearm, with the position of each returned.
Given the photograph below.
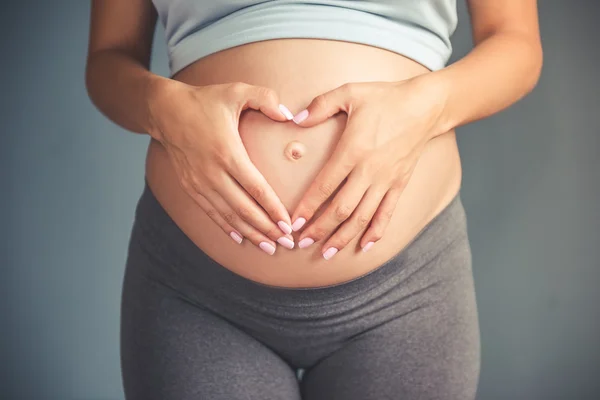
(499, 71)
(121, 88)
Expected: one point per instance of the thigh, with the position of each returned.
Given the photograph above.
(174, 350)
(431, 352)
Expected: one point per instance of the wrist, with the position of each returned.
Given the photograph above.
(437, 89)
(157, 89)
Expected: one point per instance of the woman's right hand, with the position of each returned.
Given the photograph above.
(198, 127)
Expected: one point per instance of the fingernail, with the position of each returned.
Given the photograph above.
(368, 246)
(285, 111)
(267, 247)
(286, 242)
(329, 253)
(284, 227)
(305, 242)
(235, 236)
(298, 223)
(301, 116)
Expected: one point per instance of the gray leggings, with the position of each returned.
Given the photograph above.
(192, 329)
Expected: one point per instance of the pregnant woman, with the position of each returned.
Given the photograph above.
(300, 234)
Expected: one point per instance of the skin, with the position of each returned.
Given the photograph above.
(502, 68)
(420, 162)
(214, 170)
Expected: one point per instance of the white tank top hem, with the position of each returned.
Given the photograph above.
(417, 29)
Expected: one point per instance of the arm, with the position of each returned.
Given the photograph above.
(378, 164)
(117, 76)
(197, 125)
(503, 67)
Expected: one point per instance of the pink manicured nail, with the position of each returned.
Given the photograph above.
(267, 247)
(368, 246)
(286, 242)
(305, 242)
(301, 116)
(285, 111)
(235, 236)
(284, 227)
(329, 253)
(298, 223)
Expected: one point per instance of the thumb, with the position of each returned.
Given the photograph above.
(266, 100)
(324, 106)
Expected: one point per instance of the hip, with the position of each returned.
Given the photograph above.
(421, 288)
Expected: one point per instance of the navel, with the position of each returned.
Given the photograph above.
(294, 150)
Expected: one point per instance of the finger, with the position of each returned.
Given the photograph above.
(249, 211)
(381, 218)
(255, 184)
(325, 105)
(325, 184)
(265, 100)
(339, 210)
(359, 220)
(216, 217)
(232, 218)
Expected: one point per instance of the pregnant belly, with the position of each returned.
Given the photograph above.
(290, 157)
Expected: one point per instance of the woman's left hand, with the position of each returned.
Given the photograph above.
(387, 128)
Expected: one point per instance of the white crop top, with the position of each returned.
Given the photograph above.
(418, 29)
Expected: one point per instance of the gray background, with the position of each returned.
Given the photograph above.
(71, 179)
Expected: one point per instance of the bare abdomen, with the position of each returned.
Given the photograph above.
(290, 157)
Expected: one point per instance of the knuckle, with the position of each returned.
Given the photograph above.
(245, 213)
(349, 89)
(273, 211)
(224, 157)
(267, 94)
(309, 211)
(212, 214)
(320, 101)
(396, 185)
(232, 164)
(378, 227)
(257, 192)
(354, 155)
(342, 241)
(362, 220)
(363, 171)
(325, 189)
(403, 176)
(238, 89)
(380, 191)
(196, 183)
(229, 217)
(342, 212)
(386, 215)
(185, 184)
(375, 234)
(399, 182)
(191, 185)
(212, 183)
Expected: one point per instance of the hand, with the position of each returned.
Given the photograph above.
(387, 128)
(198, 126)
